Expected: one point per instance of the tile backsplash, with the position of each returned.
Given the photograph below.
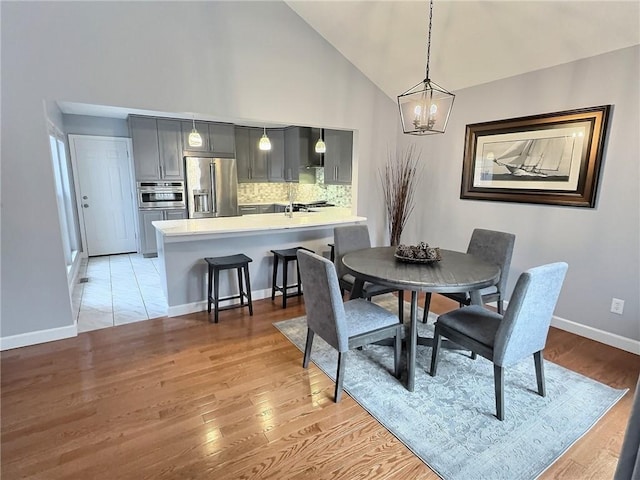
(340, 195)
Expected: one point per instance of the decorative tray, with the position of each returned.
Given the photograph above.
(421, 253)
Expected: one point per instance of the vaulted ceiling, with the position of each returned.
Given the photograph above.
(473, 42)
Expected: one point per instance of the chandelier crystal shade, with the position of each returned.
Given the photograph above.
(195, 140)
(425, 107)
(264, 143)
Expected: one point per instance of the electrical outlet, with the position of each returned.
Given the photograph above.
(617, 306)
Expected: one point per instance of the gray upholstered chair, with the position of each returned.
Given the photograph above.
(349, 238)
(505, 340)
(491, 246)
(342, 325)
(629, 462)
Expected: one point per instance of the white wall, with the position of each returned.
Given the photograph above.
(601, 245)
(232, 60)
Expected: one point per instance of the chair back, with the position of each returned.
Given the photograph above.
(323, 300)
(349, 238)
(525, 325)
(494, 247)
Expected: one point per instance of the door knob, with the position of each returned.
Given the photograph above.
(86, 205)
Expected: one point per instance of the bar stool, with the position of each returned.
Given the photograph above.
(240, 262)
(286, 256)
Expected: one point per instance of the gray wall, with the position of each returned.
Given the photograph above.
(601, 245)
(229, 60)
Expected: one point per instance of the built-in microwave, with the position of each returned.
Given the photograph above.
(168, 195)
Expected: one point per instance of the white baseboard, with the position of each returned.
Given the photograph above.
(201, 306)
(41, 336)
(601, 336)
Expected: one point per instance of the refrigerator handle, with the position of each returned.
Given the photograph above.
(212, 177)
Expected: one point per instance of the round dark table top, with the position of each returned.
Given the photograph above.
(456, 272)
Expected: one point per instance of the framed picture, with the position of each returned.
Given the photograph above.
(552, 158)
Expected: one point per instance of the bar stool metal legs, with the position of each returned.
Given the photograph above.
(240, 262)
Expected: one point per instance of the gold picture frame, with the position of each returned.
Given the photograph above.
(552, 158)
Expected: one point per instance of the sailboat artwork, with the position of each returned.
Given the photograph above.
(525, 162)
(532, 159)
(551, 158)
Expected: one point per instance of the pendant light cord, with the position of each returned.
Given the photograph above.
(429, 39)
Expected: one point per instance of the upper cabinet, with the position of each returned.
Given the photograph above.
(217, 138)
(252, 166)
(255, 165)
(170, 148)
(337, 159)
(157, 148)
(276, 156)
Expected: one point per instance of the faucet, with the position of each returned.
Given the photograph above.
(289, 213)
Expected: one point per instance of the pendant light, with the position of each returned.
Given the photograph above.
(320, 145)
(264, 143)
(425, 107)
(195, 140)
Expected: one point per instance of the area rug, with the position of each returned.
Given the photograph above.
(449, 422)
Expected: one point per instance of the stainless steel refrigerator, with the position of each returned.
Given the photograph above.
(212, 187)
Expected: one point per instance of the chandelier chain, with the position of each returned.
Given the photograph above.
(429, 39)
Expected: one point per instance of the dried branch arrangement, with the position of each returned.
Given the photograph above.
(399, 179)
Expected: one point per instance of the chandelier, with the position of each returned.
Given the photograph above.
(425, 107)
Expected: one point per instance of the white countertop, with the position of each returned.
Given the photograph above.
(202, 228)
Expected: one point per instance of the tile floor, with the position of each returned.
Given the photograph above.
(120, 289)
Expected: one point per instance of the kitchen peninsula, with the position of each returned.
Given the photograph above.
(183, 245)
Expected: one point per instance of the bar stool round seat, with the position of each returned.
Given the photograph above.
(285, 256)
(240, 262)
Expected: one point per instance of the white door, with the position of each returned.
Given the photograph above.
(105, 193)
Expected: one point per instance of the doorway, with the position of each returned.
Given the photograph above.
(105, 190)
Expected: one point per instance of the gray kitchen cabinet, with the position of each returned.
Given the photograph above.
(276, 156)
(157, 148)
(217, 138)
(251, 162)
(146, 154)
(337, 159)
(170, 149)
(222, 139)
(256, 209)
(148, 246)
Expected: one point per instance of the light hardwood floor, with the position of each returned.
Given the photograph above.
(183, 398)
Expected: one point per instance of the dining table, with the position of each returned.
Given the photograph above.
(455, 272)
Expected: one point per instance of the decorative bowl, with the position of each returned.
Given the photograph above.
(421, 253)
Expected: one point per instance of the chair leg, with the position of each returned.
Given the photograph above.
(247, 282)
(285, 270)
(500, 304)
(397, 351)
(216, 293)
(539, 361)
(339, 377)
(498, 378)
(239, 272)
(401, 305)
(209, 288)
(307, 348)
(427, 303)
(435, 351)
(474, 355)
(274, 277)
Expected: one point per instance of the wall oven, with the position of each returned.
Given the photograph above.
(167, 195)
